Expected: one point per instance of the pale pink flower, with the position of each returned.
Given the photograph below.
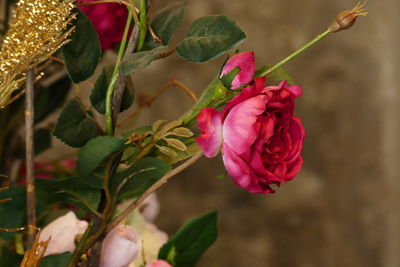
(62, 232)
(246, 63)
(120, 247)
(152, 240)
(150, 207)
(158, 263)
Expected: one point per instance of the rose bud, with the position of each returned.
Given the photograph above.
(120, 247)
(346, 19)
(246, 63)
(158, 263)
(150, 207)
(62, 232)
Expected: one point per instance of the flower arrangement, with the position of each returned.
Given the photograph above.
(97, 207)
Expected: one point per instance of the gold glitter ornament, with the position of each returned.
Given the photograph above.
(38, 28)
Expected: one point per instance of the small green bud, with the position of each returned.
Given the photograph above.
(219, 91)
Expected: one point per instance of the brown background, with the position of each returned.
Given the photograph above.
(342, 210)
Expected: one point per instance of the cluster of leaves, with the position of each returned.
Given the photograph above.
(99, 156)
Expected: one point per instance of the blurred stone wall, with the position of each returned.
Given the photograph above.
(342, 210)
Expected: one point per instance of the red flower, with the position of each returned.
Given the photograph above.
(109, 19)
(261, 139)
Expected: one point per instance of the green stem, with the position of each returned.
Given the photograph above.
(135, 15)
(142, 24)
(114, 78)
(79, 247)
(267, 69)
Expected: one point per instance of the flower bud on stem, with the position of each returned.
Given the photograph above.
(344, 20)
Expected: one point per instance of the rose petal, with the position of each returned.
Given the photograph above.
(293, 169)
(246, 63)
(256, 163)
(241, 173)
(150, 207)
(158, 263)
(120, 247)
(210, 140)
(152, 240)
(247, 92)
(293, 89)
(62, 232)
(297, 135)
(109, 21)
(239, 131)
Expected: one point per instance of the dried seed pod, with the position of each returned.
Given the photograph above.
(346, 19)
(181, 131)
(167, 127)
(167, 151)
(176, 143)
(157, 125)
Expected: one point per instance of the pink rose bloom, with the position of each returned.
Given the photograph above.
(120, 247)
(158, 263)
(109, 19)
(246, 63)
(62, 232)
(261, 140)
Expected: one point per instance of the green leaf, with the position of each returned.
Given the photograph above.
(56, 260)
(71, 190)
(99, 91)
(42, 140)
(186, 247)
(50, 98)
(278, 75)
(9, 258)
(12, 213)
(95, 152)
(165, 23)
(209, 37)
(138, 61)
(135, 180)
(82, 54)
(205, 99)
(74, 127)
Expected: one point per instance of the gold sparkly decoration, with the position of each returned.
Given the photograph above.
(34, 256)
(38, 28)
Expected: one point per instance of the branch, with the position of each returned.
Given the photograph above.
(153, 188)
(114, 78)
(119, 91)
(29, 155)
